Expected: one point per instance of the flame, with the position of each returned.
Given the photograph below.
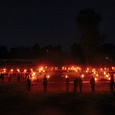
(11, 70)
(48, 76)
(95, 79)
(66, 76)
(25, 70)
(18, 70)
(82, 75)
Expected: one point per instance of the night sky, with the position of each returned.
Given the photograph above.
(26, 23)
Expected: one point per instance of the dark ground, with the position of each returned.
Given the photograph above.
(15, 100)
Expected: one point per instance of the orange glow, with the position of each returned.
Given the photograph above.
(48, 76)
(25, 70)
(41, 69)
(18, 70)
(95, 79)
(11, 70)
(104, 73)
(33, 78)
(82, 75)
(107, 76)
(33, 74)
(101, 69)
(97, 75)
(113, 68)
(94, 72)
(66, 76)
(4, 70)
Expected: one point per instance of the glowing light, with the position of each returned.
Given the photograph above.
(101, 69)
(97, 75)
(33, 74)
(113, 68)
(25, 70)
(105, 68)
(48, 76)
(95, 79)
(18, 70)
(107, 76)
(82, 75)
(94, 72)
(4, 70)
(66, 76)
(11, 70)
(41, 69)
(33, 78)
(104, 73)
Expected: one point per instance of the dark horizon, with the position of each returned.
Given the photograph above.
(24, 24)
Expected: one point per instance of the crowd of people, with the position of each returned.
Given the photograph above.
(77, 83)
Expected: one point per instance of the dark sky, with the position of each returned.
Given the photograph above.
(47, 22)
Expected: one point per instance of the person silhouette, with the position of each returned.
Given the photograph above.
(92, 83)
(28, 83)
(2, 78)
(80, 84)
(111, 83)
(45, 83)
(67, 84)
(75, 83)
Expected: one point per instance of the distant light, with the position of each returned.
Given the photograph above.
(48, 76)
(66, 76)
(95, 79)
(82, 75)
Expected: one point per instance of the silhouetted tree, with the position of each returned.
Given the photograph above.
(106, 54)
(36, 51)
(3, 52)
(88, 22)
(76, 53)
(52, 54)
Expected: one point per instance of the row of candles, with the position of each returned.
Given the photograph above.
(97, 72)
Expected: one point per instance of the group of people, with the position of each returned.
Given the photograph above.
(45, 82)
(2, 78)
(76, 83)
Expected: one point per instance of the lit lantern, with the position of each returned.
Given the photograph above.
(4, 70)
(66, 76)
(109, 78)
(104, 73)
(33, 74)
(97, 75)
(95, 79)
(18, 70)
(33, 78)
(25, 70)
(82, 75)
(48, 76)
(11, 70)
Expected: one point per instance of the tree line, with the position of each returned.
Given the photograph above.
(91, 49)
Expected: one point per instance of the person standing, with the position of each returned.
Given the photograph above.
(67, 84)
(45, 83)
(92, 83)
(28, 84)
(18, 77)
(80, 84)
(111, 83)
(2, 77)
(75, 83)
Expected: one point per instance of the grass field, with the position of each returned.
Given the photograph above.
(16, 100)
